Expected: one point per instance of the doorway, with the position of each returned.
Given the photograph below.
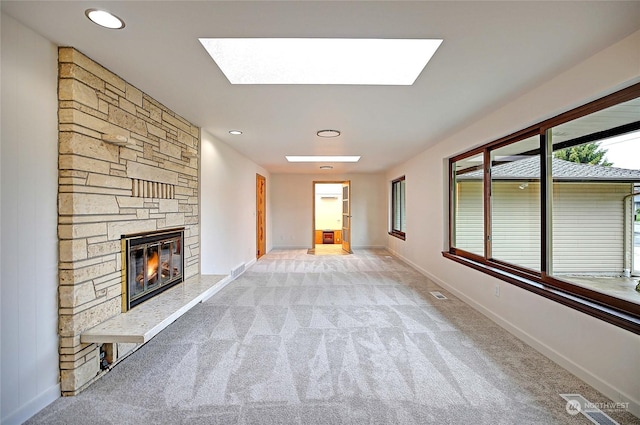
(261, 216)
(331, 217)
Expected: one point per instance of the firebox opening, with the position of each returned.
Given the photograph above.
(154, 263)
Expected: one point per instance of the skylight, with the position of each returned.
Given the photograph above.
(321, 60)
(320, 158)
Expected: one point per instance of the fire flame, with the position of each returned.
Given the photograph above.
(152, 265)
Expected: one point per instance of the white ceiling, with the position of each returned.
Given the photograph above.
(492, 52)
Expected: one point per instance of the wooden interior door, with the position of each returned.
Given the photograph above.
(346, 216)
(261, 216)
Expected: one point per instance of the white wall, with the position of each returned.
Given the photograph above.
(292, 204)
(328, 213)
(29, 264)
(228, 211)
(605, 356)
(329, 206)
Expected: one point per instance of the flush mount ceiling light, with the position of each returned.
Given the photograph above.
(321, 60)
(235, 132)
(328, 133)
(326, 167)
(104, 19)
(320, 158)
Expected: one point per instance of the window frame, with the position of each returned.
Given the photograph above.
(616, 311)
(398, 233)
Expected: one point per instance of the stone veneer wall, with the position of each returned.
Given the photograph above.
(106, 190)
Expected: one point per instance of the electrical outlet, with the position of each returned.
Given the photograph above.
(497, 292)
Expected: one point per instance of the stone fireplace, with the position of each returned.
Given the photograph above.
(128, 166)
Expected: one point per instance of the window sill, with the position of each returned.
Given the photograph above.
(622, 319)
(398, 235)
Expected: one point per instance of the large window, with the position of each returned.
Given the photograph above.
(398, 211)
(552, 208)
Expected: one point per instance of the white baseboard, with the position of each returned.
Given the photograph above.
(34, 406)
(250, 263)
(595, 381)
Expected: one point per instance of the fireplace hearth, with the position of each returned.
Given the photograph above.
(153, 263)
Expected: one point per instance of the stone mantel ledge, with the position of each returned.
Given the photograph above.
(146, 320)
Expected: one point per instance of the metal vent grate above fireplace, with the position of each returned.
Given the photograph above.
(153, 262)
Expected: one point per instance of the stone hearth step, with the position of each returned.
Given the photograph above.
(146, 320)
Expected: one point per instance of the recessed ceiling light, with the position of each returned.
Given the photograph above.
(328, 133)
(326, 167)
(357, 61)
(235, 132)
(104, 19)
(320, 158)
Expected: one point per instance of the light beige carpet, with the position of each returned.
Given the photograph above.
(328, 249)
(353, 339)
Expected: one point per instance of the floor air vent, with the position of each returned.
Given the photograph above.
(237, 271)
(438, 295)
